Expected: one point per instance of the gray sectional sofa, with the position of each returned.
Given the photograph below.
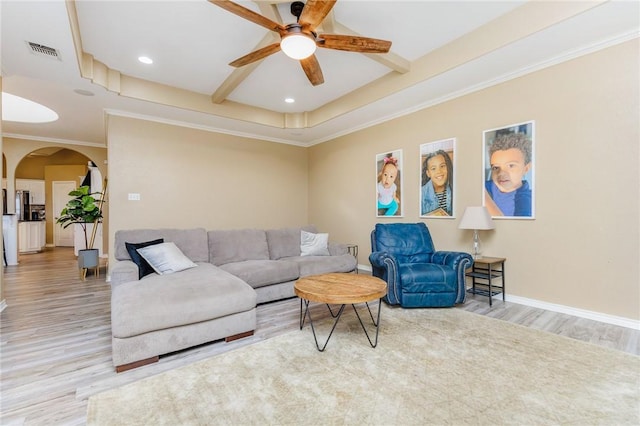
(236, 270)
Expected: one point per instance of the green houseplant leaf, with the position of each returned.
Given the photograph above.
(83, 208)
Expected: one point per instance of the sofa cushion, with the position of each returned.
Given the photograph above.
(313, 244)
(187, 297)
(192, 242)
(260, 273)
(285, 242)
(314, 265)
(166, 258)
(336, 249)
(144, 268)
(237, 245)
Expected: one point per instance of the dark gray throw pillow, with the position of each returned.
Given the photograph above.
(144, 268)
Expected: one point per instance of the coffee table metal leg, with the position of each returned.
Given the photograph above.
(313, 329)
(302, 316)
(331, 311)
(376, 323)
(307, 313)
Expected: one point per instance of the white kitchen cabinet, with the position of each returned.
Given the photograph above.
(37, 192)
(22, 184)
(35, 187)
(31, 236)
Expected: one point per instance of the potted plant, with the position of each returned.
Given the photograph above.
(83, 209)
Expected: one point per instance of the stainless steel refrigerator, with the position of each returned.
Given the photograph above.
(23, 208)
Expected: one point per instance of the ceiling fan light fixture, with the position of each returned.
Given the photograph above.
(296, 44)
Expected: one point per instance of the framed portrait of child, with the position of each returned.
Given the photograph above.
(508, 171)
(389, 184)
(437, 190)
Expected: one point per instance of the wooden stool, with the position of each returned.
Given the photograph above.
(104, 256)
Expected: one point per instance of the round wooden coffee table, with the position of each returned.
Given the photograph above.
(340, 289)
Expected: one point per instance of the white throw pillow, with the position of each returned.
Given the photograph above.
(166, 258)
(313, 244)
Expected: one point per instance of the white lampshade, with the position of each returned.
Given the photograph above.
(298, 45)
(476, 218)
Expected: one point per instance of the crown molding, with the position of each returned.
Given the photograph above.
(212, 129)
(52, 140)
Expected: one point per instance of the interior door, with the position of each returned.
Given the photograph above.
(61, 237)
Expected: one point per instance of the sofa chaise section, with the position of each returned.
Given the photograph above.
(159, 314)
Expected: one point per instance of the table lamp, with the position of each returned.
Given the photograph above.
(476, 218)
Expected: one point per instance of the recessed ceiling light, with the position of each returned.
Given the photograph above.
(15, 108)
(289, 100)
(145, 60)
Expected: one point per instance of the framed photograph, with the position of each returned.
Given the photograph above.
(437, 190)
(508, 171)
(389, 184)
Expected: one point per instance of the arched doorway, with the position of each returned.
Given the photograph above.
(28, 158)
(52, 166)
(47, 163)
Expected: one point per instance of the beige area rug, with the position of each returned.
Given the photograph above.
(442, 366)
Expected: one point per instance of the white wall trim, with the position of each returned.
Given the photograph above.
(563, 309)
(203, 127)
(576, 312)
(52, 140)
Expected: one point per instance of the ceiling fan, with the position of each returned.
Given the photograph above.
(299, 40)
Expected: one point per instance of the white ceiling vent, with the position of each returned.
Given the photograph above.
(42, 50)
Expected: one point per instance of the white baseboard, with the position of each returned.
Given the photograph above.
(364, 268)
(553, 307)
(576, 312)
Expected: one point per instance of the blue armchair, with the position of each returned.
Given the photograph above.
(417, 275)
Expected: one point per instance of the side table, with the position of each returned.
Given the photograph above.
(353, 251)
(482, 274)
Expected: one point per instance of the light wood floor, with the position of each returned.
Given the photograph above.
(56, 342)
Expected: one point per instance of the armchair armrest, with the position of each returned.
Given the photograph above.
(460, 262)
(385, 267)
(453, 259)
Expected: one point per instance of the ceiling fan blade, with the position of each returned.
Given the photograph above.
(312, 69)
(249, 15)
(256, 55)
(353, 43)
(314, 12)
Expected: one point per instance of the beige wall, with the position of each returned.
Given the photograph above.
(193, 178)
(582, 250)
